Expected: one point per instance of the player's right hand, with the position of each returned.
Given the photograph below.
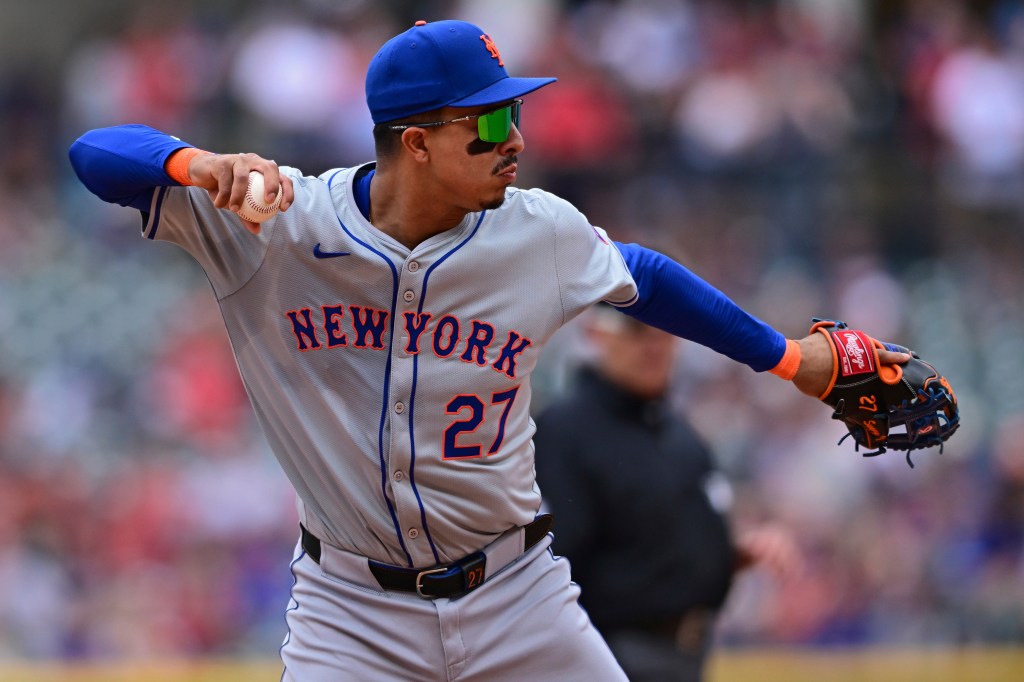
(226, 177)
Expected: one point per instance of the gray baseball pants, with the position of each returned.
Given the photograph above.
(523, 623)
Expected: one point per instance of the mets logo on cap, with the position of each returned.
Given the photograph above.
(492, 48)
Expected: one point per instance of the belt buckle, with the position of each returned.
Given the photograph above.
(422, 574)
(470, 569)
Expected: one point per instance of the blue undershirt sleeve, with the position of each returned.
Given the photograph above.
(123, 164)
(675, 300)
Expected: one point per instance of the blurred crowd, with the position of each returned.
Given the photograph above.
(859, 160)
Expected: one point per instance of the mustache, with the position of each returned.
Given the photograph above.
(505, 163)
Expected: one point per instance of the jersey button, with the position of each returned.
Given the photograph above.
(413, 533)
(408, 296)
(413, 266)
(399, 476)
(399, 408)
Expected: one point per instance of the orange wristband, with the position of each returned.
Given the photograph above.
(790, 362)
(177, 164)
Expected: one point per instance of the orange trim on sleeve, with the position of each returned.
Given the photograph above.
(790, 362)
(177, 164)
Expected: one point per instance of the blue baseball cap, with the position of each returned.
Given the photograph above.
(440, 64)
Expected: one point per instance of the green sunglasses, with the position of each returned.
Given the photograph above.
(493, 126)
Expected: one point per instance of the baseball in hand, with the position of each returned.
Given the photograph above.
(254, 208)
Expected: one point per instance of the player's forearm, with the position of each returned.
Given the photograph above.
(674, 299)
(123, 164)
(815, 366)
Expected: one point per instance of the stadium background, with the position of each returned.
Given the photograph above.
(856, 159)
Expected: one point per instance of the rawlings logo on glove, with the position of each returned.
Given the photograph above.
(873, 399)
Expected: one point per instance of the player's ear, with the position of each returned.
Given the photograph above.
(414, 141)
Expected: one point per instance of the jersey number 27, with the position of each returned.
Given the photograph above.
(469, 424)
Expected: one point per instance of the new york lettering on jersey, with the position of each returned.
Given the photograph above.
(366, 327)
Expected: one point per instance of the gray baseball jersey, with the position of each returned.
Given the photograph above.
(393, 385)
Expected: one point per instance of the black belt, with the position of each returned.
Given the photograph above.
(451, 580)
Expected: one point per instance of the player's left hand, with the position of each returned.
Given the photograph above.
(226, 177)
(817, 364)
(876, 387)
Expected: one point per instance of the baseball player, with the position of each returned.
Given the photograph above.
(385, 324)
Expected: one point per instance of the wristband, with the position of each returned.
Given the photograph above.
(177, 164)
(790, 362)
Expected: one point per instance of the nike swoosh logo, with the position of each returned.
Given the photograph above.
(328, 254)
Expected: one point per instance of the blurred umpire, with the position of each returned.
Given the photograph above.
(639, 505)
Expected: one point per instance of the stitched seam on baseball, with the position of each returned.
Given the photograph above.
(254, 209)
(250, 199)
